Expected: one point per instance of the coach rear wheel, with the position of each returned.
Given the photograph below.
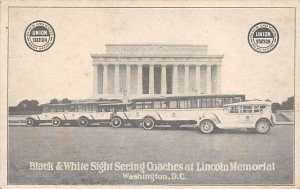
(262, 126)
(83, 122)
(30, 122)
(148, 123)
(206, 126)
(56, 122)
(116, 122)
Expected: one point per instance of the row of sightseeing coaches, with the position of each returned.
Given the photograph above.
(207, 112)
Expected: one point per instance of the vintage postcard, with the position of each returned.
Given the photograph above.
(138, 93)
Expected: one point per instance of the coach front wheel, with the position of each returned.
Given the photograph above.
(116, 122)
(148, 123)
(262, 127)
(206, 126)
(30, 122)
(56, 122)
(83, 122)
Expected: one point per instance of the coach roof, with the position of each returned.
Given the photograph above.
(254, 102)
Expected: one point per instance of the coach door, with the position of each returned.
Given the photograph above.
(246, 116)
(232, 117)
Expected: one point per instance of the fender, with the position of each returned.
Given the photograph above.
(35, 117)
(209, 116)
(152, 114)
(265, 118)
(84, 116)
(149, 117)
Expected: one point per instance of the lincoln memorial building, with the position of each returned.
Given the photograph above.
(136, 70)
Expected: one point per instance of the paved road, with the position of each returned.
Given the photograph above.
(169, 146)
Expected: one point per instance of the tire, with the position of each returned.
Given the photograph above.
(56, 122)
(206, 126)
(30, 122)
(262, 127)
(252, 130)
(83, 122)
(148, 123)
(116, 122)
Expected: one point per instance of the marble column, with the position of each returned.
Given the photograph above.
(175, 80)
(95, 77)
(187, 79)
(139, 79)
(198, 79)
(117, 79)
(128, 79)
(151, 79)
(208, 79)
(219, 84)
(163, 79)
(105, 79)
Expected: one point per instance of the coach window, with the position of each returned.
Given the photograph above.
(173, 104)
(262, 107)
(163, 104)
(157, 104)
(235, 99)
(116, 108)
(66, 109)
(213, 103)
(228, 101)
(133, 106)
(149, 105)
(139, 105)
(180, 104)
(58, 109)
(247, 109)
(219, 103)
(194, 103)
(238, 99)
(234, 109)
(98, 108)
(73, 108)
(187, 104)
(209, 103)
(183, 104)
(256, 109)
(199, 103)
(204, 103)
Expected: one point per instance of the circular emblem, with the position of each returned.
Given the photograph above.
(39, 36)
(247, 118)
(263, 37)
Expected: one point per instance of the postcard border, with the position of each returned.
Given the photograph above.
(162, 7)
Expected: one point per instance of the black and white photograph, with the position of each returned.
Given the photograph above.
(149, 95)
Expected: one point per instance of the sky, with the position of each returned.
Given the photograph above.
(65, 70)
